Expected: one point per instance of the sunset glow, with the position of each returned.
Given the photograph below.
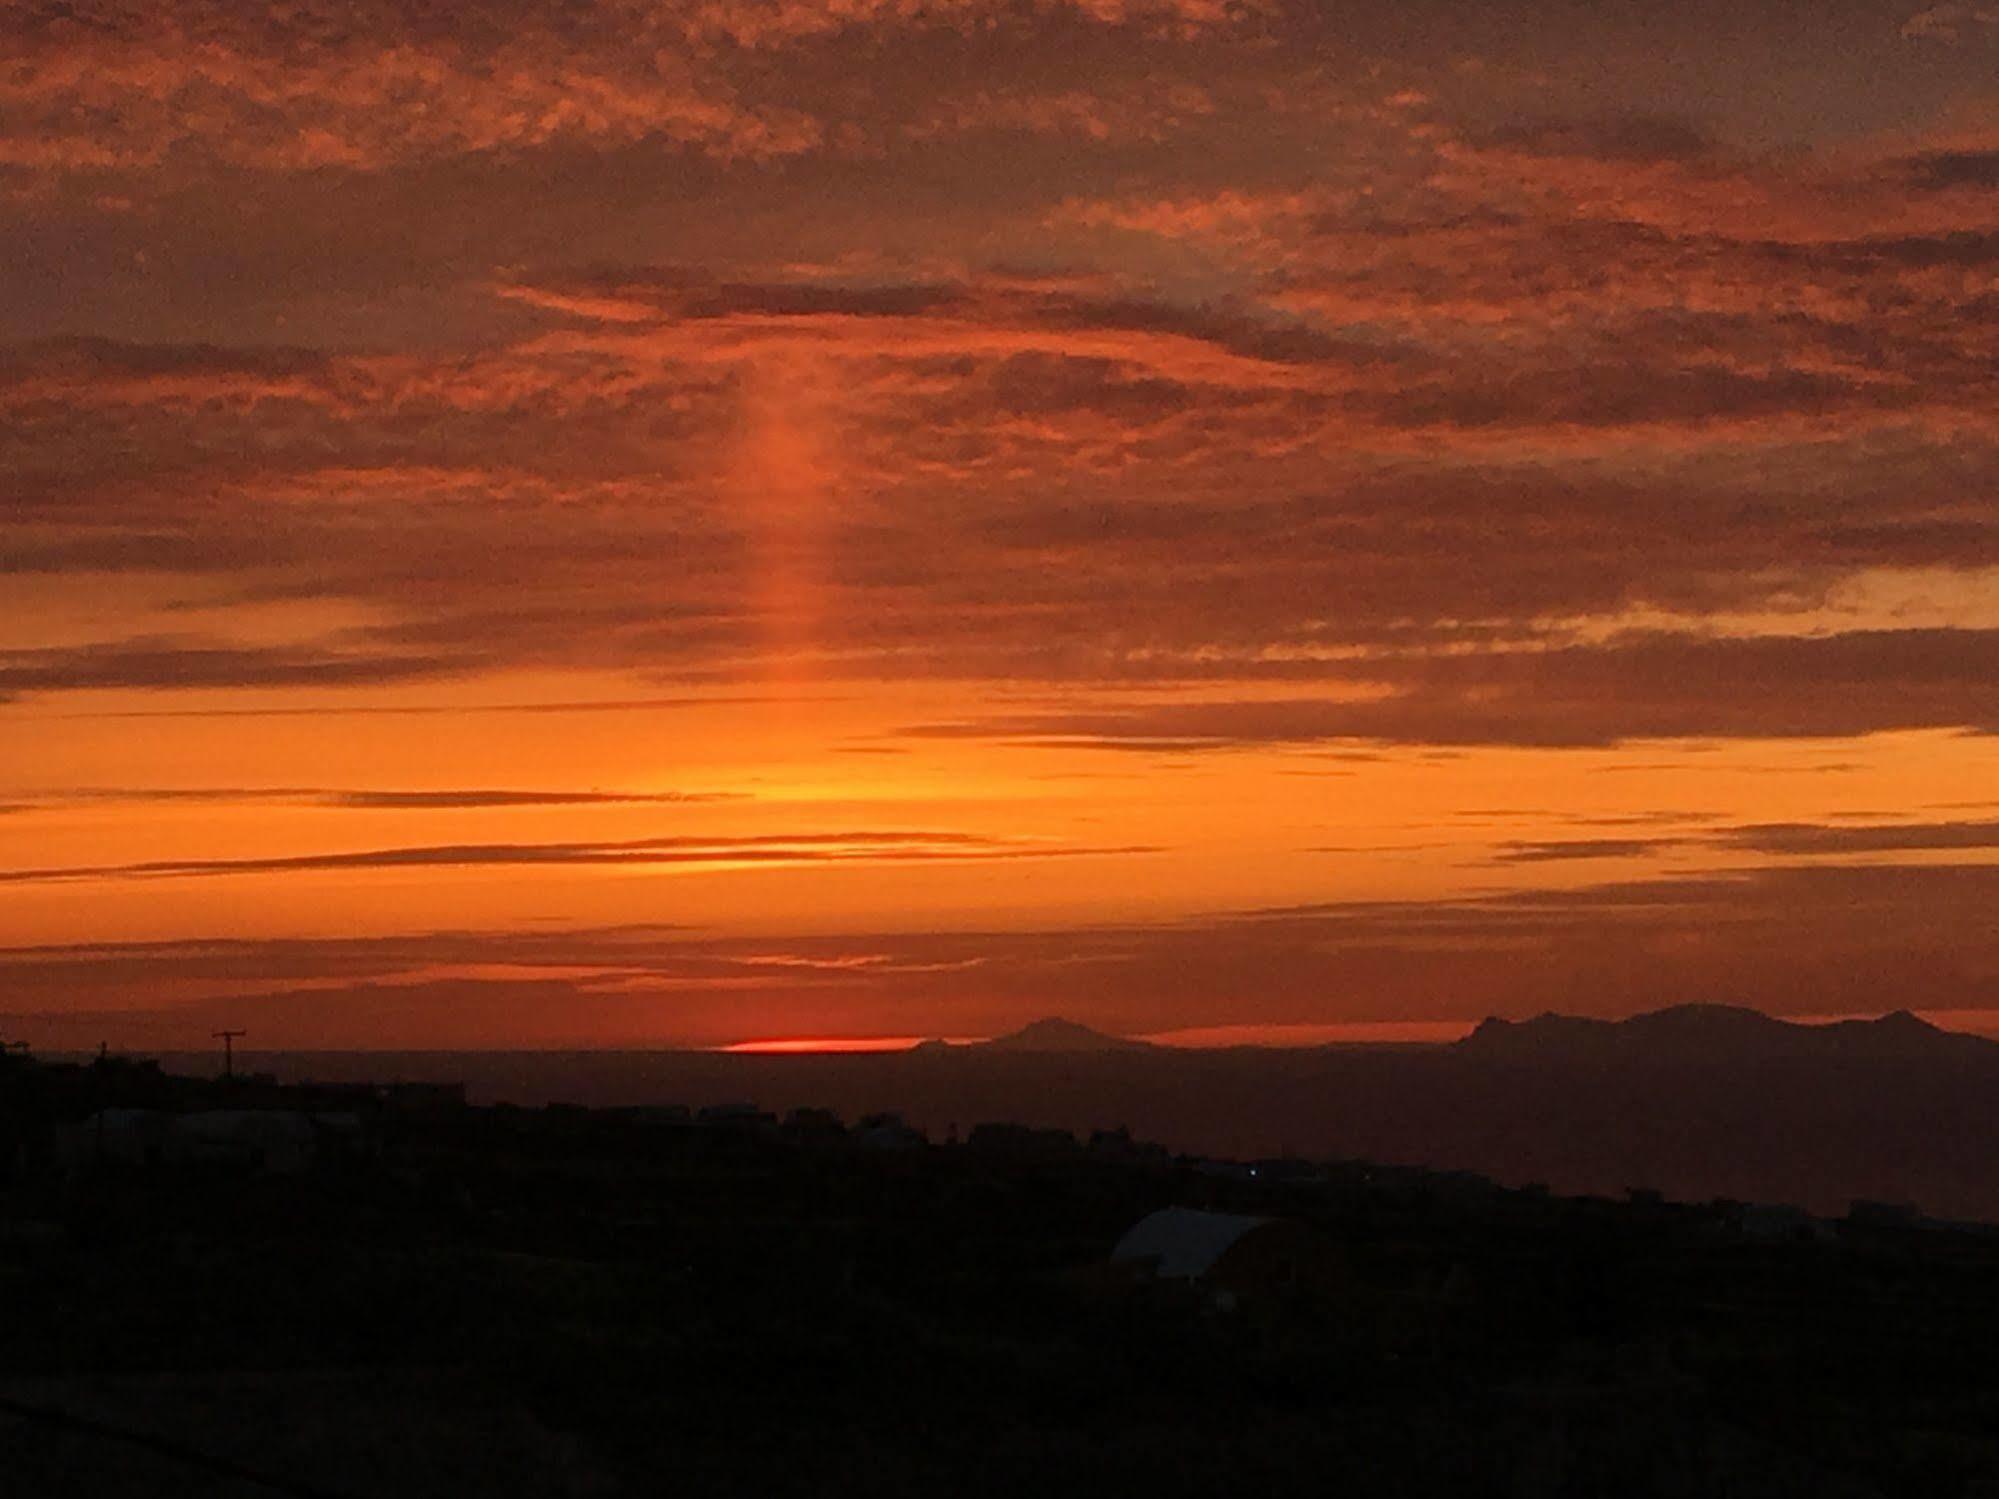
(693, 523)
(825, 1045)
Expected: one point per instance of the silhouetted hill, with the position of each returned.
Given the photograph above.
(1720, 1034)
(571, 1303)
(1696, 1101)
(1055, 1034)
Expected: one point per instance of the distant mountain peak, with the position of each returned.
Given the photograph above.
(1057, 1034)
(1907, 1022)
(1717, 1031)
(1709, 1012)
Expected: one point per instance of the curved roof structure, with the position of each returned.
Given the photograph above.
(1184, 1243)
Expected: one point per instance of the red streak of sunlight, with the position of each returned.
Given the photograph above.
(807, 1045)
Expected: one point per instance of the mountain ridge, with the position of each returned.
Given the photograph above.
(1055, 1034)
(1721, 1032)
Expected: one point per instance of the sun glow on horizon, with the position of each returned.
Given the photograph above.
(836, 1045)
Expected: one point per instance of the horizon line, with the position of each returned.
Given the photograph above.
(1275, 1036)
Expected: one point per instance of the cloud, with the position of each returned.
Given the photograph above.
(1785, 839)
(1793, 940)
(156, 663)
(371, 800)
(1167, 377)
(1176, 350)
(1616, 137)
(358, 89)
(397, 801)
(981, 540)
(115, 86)
(475, 709)
(1949, 23)
(1941, 171)
(1899, 837)
(1160, 510)
(1144, 112)
(773, 849)
(1554, 850)
(1643, 687)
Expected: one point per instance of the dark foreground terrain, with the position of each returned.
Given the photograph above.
(402, 1295)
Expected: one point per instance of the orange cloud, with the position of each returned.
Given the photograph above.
(921, 399)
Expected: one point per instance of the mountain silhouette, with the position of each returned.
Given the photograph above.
(1718, 1033)
(1058, 1035)
(1696, 1102)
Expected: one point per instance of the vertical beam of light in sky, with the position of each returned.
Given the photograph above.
(782, 475)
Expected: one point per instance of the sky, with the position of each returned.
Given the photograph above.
(682, 522)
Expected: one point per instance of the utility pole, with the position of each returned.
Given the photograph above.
(228, 1040)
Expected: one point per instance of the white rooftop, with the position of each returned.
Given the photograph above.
(1186, 1242)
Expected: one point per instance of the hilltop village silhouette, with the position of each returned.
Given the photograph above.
(236, 1284)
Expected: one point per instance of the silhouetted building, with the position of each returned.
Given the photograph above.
(423, 1098)
(741, 1116)
(1021, 1142)
(249, 1139)
(279, 1141)
(888, 1132)
(1779, 1223)
(1229, 1256)
(1868, 1214)
(814, 1127)
(121, 1137)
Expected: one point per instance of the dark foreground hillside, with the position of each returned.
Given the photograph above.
(441, 1300)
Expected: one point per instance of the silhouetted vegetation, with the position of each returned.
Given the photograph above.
(442, 1299)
